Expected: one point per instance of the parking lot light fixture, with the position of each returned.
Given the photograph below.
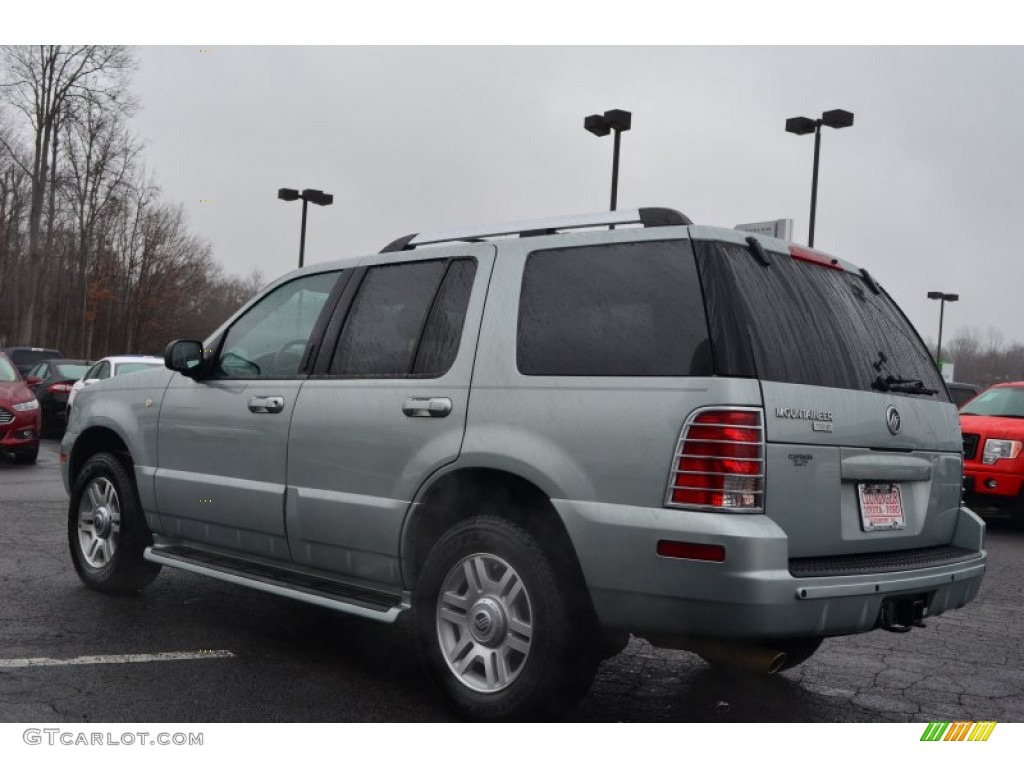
(617, 120)
(942, 298)
(833, 118)
(315, 196)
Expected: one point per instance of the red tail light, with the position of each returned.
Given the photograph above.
(59, 389)
(719, 461)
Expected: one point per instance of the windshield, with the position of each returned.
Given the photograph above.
(135, 367)
(998, 401)
(7, 371)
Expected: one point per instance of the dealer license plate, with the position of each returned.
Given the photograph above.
(881, 507)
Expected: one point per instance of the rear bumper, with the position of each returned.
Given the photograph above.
(752, 594)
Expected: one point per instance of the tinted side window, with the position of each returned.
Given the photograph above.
(103, 372)
(624, 309)
(386, 320)
(440, 342)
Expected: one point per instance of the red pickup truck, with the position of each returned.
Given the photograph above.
(993, 431)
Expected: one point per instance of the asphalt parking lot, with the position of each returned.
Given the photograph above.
(251, 657)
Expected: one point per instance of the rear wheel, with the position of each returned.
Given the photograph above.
(496, 624)
(107, 532)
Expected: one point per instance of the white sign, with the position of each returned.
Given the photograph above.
(947, 371)
(780, 228)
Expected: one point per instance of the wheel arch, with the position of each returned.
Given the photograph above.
(95, 440)
(464, 492)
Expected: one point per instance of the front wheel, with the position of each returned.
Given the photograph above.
(497, 625)
(107, 532)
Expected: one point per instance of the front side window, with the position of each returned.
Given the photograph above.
(406, 320)
(103, 370)
(621, 309)
(268, 341)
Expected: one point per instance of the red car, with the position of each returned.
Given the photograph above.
(993, 430)
(19, 415)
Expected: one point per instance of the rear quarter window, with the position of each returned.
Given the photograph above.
(621, 309)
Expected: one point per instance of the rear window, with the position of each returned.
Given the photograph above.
(803, 323)
(124, 368)
(72, 370)
(621, 309)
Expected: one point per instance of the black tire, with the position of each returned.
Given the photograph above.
(28, 456)
(558, 664)
(115, 541)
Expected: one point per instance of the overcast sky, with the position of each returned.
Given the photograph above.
(924, 190)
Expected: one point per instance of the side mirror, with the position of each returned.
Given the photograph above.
(32, 380)
(185, 356)
(89, 382)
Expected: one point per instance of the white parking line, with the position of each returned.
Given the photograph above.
(132, 658)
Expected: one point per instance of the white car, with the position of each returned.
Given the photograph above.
(113, 366)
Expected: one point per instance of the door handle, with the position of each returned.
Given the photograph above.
(427, 407)
(271, 404)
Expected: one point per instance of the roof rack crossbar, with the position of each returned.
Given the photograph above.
(648, 217)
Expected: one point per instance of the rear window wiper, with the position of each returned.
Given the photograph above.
(891, 383)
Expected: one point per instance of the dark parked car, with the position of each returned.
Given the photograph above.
(960, 392)
(19, 415)
(25, 358)
(52, 380)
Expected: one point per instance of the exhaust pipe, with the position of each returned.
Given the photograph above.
(734, 653)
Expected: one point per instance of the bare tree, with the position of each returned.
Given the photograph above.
(101, 154)
(43, 84)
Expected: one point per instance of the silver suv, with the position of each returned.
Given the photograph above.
(530, 441)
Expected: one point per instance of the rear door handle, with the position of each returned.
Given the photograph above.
(270, 404)
(427, 407)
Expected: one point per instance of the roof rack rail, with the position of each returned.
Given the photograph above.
(648, 217)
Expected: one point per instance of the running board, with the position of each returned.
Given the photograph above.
(347, 598)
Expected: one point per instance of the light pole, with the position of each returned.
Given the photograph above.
(942, 298)
(617, 120)
(834, 118)
(307, 196)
